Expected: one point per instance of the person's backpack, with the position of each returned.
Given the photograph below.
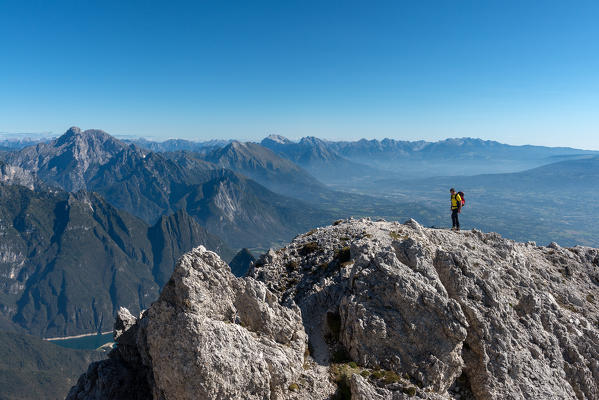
(463, 199)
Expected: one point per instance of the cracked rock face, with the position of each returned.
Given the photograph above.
(213, 336)
(368, 310)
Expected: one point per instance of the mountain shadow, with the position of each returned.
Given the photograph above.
(68, 261)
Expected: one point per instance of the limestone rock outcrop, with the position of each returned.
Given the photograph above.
(368, 310)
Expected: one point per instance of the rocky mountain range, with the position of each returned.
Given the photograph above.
(363, 159)
(455, 156)
(317, 157)
(149, 185)
(366, 310)
(69, 260)
(360, 160)
(290, 180)
(173, 145)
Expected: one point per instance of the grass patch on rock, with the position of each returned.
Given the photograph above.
(294, 387)
(341, 374)
(398, 236)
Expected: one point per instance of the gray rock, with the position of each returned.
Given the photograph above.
(210, 335)
(13, 175)
(387, 311)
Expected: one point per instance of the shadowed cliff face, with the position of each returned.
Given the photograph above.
(385, 311)
(241, 263)
(68, 261)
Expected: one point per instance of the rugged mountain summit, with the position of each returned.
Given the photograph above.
(367, 310)
(70, 160)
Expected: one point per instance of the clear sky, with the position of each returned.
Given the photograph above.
(515, 71)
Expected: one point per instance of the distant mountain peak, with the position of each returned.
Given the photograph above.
(73, 130)
(236, 144)
(278, 139)
(76, 135)
(71, 159)
(311, 140)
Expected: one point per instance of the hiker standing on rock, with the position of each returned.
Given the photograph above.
(456, 208)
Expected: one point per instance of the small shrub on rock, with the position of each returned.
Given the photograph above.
(309, 248)
(343, 254)
(377, 374)
(410, 391)
(398, 236)
(291, 266)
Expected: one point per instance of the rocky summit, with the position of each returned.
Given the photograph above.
(366, 310)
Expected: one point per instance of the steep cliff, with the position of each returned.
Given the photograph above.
(367, 310)
(69, 260)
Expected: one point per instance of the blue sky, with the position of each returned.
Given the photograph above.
(514, 71)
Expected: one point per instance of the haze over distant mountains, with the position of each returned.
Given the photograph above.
(140, 208)
(408, 171)
(359, 161)
(248, 193)
(465, 156)
(554, 202)
(90, 223)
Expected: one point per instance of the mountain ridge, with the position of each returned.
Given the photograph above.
(267, 168)
(149, 185)
(58, 246)
(385, 311)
